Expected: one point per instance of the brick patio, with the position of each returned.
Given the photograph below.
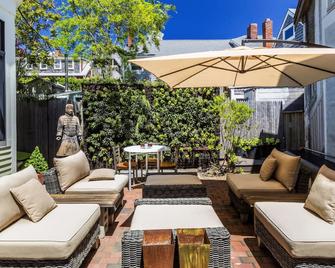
(245, 252)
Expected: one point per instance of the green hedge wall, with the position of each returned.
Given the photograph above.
(123, 114)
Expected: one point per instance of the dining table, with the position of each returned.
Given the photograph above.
(146, 149)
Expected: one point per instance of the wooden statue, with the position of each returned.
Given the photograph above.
(69, 131)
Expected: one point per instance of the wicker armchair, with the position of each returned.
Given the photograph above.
(219, 237)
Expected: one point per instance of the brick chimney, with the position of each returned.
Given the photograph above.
(267, 32)
(252, 32)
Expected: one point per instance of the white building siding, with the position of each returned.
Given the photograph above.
(8, 147)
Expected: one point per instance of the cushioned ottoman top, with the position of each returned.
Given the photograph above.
(173, 179)
(152, 217)
(300, 232)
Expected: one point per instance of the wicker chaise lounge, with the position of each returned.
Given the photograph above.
(62, 238)
(242, 185)
(173, 186)
(173, 214)
(301, 234)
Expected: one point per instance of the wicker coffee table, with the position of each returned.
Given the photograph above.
(218, 235)
(174, 186)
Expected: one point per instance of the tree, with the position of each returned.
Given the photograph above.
(34, 20)
(97, 29)
(91, 29)
(234, 118)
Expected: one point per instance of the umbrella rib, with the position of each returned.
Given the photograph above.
(260, 63)
(219, 68)
(188, 67)
(220, 59)
(266, 67)
(231, 65)
(239, 63)
(305, 65)
(290, 77)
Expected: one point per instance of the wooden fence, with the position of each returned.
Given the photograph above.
(37, 125)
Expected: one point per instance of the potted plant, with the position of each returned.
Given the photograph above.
(246, 147)
(38, 161)
(268, 144)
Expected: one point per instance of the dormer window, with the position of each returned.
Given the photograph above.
(289, 32)
(43, 66)
(70, 64)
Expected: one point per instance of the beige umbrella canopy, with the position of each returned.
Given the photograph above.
(243, 67)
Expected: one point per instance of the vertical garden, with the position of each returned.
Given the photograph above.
(126, 114)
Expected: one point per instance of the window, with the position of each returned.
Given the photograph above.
(58, 64)
(43, 66)
(331, 5)
(289, 32)
(28, 65)
(2, 83)
(70, 64)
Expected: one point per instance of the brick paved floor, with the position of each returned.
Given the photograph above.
(245, 252)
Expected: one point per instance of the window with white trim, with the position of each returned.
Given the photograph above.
(289, 32)
(43, 66)
(28, 65)
(57, 64)
(331, 5)
(70, 64)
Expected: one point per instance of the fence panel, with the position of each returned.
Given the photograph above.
(36, 126)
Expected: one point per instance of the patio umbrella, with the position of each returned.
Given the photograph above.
(243, 67)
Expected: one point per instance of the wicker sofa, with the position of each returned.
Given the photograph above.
(241, 185)
(172, 214)
(62, 238)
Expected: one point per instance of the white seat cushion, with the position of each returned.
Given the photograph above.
(151, 217)
(55, 237)
(100, 187)
(299, 231)
(185, 179)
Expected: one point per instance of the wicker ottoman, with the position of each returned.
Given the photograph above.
(174, 186)
(174, 214)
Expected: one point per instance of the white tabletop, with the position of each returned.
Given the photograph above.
(137, 149)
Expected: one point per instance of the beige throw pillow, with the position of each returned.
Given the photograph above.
(101, 174)
(287, 170)
(71, 169)
(321, 198)
(34, 199)
(268, 168)
(10, 211)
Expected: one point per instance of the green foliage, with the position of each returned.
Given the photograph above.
(37, 160)
(246, 144)
(91, 29)
(97, 29)
(122, 115)
(34, 19)
(234, 118)
(270, 141)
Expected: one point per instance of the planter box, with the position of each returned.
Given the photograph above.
(158, 249)
(193, 248)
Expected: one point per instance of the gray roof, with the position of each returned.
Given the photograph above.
(172, 47)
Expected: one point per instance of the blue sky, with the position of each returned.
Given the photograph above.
(221, 19)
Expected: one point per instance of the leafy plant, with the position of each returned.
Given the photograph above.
(37, 160)
(246, 144)
(234, 118)
(270, 141)
(125, 114)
